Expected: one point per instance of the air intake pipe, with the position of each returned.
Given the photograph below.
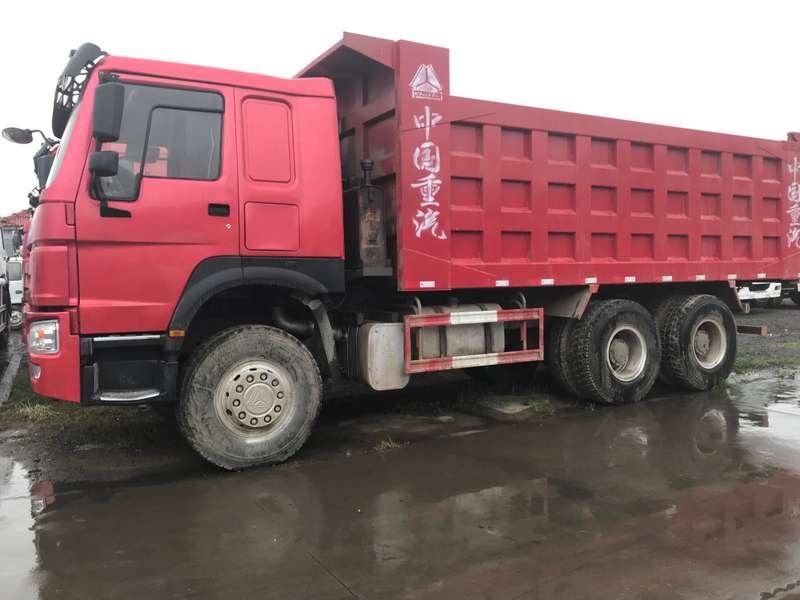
(297, 327)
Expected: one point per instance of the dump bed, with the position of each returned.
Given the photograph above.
(483, 194)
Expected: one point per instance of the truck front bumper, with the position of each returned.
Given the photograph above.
(56, 375)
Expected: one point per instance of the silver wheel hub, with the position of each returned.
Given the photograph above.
(626, 353)
(254, 398)
(16, 317)
(709, 342)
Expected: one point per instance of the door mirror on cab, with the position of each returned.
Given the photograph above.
(16, 239)
(104, 163)
(109, 100)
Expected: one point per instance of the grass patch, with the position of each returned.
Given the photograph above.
(76, 424)
(501, 395)
(791, 346)
(388, 444)
(752, 363)
(724, 384)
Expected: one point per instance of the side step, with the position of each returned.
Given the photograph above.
(470, 318)
(127, 395)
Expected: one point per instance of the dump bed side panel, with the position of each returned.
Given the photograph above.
(543, 197)
(483, 194)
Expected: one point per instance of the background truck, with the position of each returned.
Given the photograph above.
(15, 290)
(226, 241)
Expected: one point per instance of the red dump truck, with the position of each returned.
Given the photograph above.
(226, 241)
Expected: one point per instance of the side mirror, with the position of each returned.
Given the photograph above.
(109, 100)
(16, 239)
(104, 163)
(17, 135)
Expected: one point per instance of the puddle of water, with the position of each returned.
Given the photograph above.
(17, 547)
(699, 490)
(770, 421)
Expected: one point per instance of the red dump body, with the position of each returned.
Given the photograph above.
(483, 194)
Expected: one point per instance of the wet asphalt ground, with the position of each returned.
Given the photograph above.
(682, 496)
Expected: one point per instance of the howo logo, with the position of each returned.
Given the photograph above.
(259, 399)
(426, 84)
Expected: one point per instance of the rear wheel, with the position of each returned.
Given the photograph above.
(660, 311)
(795, 297)
(557, 352)
(774, 302)
(614, 352)
(250, 396)
(700, 343)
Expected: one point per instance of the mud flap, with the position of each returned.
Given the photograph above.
(330, 368)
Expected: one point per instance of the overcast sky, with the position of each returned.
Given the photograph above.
(731, 66)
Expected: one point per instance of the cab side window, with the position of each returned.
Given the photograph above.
(166, 133)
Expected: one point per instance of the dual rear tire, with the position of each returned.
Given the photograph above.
(698, 342)
(614, 354)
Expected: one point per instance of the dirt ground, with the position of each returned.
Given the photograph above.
(59, 441)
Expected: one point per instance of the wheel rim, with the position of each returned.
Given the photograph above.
(255, 398)
(709, 343)
(16, 318)
(626, 353)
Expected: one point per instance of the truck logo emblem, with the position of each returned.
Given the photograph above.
(258, 399)
(426, 84)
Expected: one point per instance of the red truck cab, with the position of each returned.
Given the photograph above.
(241, 178)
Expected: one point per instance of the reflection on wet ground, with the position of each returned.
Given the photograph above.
(685, 496)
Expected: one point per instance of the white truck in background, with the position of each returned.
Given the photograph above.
(767, 294)
(15, 290)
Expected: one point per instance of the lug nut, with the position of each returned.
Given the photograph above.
(239, 388)
(275, 383)
(267, 419)
(236, 402)
(253, 421)
(263, 377)
(278, 408)
(242, 416)
(249, 379)
(280, 395)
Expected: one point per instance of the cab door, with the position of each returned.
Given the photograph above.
(173, 204)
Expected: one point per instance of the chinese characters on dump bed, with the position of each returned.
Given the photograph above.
(427, 158)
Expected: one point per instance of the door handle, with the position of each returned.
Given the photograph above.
(219, 210)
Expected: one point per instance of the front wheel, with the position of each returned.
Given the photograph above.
(795, 297)
(250, 397)
(16, 318)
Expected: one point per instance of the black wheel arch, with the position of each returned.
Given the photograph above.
(310, 277)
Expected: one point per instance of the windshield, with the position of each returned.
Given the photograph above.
(62, 146)
(14, 271)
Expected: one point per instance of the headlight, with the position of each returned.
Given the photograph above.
(43, 337)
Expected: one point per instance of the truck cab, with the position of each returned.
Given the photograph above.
(220, 178)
